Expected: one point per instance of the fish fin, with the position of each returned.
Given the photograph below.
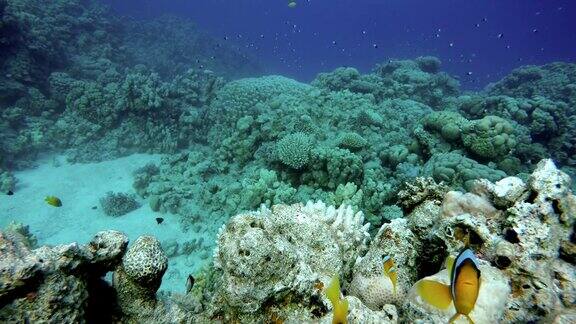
(341, 315)
(450, 263)
(388, 264)
(453, 318)
(434, 293)
(333, 291)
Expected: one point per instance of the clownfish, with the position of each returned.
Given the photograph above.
(390, 271)
(463, 289)
(53, 201)
(339, 305)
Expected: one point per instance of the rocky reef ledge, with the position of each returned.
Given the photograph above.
(272, 265)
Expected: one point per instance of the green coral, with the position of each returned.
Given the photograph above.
(266, 189)
(294, 150)
(330, 167)
(353, 141)
(489, 138)
(458, 170)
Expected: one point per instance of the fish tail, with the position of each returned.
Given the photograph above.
(469, 319)
(434, 293)
(454, 317)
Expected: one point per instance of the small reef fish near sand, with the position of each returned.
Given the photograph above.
(189, 283)
(463, 290)
(339, 305)
(53, 201)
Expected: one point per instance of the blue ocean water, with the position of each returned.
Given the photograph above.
(478, 41)
(223, 138)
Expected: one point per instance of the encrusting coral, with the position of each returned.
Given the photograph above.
(274, 264)
(54, 284)
(273, 254)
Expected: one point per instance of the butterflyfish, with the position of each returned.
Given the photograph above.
(291, 4)
(53, 201)
(390, 271)
(462, 291)
(339, 305)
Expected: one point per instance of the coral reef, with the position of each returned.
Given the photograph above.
(418, 169)
(139, 276)
(294, 150)
(274, 264)
(99, 86)
(118, 204)
(54, 284)
(274, 254)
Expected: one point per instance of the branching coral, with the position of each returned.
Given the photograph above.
(118, 204)
(294, 150)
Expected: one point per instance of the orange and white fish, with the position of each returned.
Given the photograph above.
(462, 291)
(390, 271)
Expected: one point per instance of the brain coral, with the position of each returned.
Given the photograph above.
(145, 261)
(294, 150)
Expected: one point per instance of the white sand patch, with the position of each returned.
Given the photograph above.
(80, 187)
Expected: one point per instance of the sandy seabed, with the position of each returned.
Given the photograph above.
(80, 187)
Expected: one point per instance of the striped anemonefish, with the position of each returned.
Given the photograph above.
(390, 271)
(463, 290)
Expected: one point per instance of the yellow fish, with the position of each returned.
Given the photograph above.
(339, 305)
(53, 201)
(291, 4)
(463, 290)
(390, 271)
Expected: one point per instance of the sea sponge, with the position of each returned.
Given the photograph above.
(294, 150)
(118, 204)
